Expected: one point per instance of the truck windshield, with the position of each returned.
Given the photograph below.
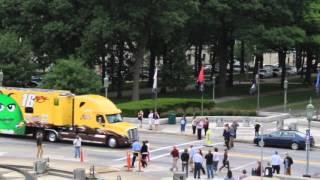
(114, 118)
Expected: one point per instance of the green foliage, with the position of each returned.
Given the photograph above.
(16, 60)
(163, 105)
(71, 74)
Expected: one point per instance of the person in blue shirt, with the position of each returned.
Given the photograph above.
(135, 150)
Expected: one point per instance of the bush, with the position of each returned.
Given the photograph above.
(164, 105)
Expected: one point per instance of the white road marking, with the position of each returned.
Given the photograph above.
(3, 153)
(163, 148)
(168, 154)
(249, 164)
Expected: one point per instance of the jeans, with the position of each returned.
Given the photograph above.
(193, 129)
(135, 155)
(215, 165)
(197, 168)
(77, 151)
(276, 168)
(185, 166)
(199, 134)
(210, 170)
(183, 127)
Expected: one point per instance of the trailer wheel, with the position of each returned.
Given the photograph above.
(112, 142)
(52, 137)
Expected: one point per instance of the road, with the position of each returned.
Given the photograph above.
(242, 156)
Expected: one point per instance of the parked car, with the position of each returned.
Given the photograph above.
(277, 72)
(284, 139)
(291, 70)
(265, 73)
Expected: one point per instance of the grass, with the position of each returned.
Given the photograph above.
(268, 100)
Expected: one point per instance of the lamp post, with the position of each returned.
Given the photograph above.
(1, 78)
(285, 88)
(106, 84)
(261, 158)
(258, 91)
(310, 111)
(213, 86)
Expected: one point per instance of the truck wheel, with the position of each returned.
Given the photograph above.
(112, 142)
(52, 137)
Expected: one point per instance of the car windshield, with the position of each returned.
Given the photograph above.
(114, 118)
(301, 134)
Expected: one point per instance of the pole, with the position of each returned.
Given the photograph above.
(258, 91)
(202, 104)
(155, 100)
(106, 92)
(213, 86)
(261, 158)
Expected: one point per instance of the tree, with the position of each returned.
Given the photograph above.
(15, 59)
(71, 74)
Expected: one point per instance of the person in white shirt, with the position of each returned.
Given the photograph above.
(197, 159)
(216, 159)
(77, 146)
(199, 129)
(150, 118)
(275, 162)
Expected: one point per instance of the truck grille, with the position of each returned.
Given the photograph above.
(133, 134)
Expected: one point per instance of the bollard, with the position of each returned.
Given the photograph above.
(81, 155)
(128, 160)
(140, 164)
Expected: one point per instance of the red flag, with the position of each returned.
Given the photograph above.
(201, 75)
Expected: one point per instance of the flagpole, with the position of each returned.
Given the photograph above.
(155, 100)
(202, 103)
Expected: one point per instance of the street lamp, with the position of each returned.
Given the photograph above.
(258, 91)
(310, 111)
(285, 88)
(106, 84)
(1, 77)
(213, 86)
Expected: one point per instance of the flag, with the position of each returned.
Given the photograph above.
(201, 79)
(318, 82)
(155, 80)
(253, 88)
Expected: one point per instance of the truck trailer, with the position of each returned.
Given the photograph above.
(62, 115)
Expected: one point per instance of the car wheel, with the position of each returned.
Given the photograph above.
(112, 142)
(52, 137)
(261, 143)
(294, 146)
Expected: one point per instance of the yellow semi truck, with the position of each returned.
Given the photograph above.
(61, 115)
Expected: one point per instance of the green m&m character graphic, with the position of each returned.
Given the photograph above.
(11, 120)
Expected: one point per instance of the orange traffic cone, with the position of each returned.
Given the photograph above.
(81, 155)
(128, 160)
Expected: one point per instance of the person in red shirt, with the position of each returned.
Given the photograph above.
(175, 157)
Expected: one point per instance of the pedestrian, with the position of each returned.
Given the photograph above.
(135, 151)
(185, 161)
(275, 162)
(197, 159)
(235, 126)
(229, 176)
(287, 164)
(243, 175)
(209, 164)
(140, 118)
(256, 129)
(183, 123)
(226, 135)
(258, 169)
(175, 157)
(225, 160)
(268, 170)
(199, 129)
(148, 144)
(156, 118)
(202, 168)
(77, 146)
(192, 152)
(194, 124)
(206, 125)
(232, 136)
(144, 153)
(39, 139)
(216, 159)
(150, 118)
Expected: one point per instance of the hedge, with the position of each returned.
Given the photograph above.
(130, 109)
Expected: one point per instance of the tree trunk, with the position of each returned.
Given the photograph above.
(138, 56)
(309, 67)
(223, 59)
(152, 64)
(242, 58)
(231, 54)
(199, 58)
(298, 58)
(103, 68)
(120, 67)
(282, 62)
(196, 61)
(258, 60)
